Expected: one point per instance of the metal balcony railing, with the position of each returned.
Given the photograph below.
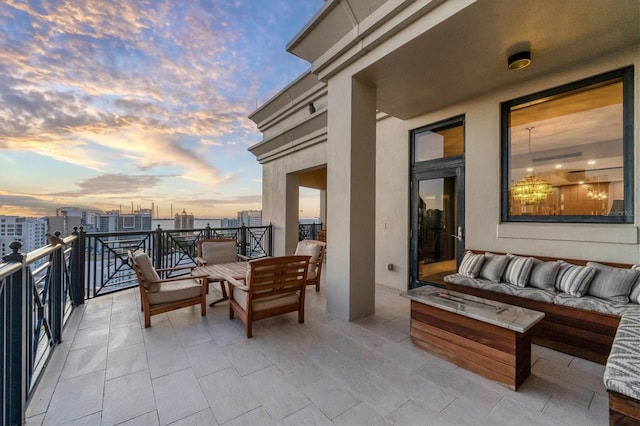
(309, 231)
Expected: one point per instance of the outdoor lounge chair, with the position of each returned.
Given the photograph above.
(162, 295)
(316, 249)
(273, 286)
(216, 251)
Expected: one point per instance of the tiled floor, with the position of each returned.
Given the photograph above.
(193, 370)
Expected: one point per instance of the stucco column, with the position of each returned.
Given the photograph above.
(351, 158)
(292, 205)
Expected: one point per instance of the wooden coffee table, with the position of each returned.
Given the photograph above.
(490, 338)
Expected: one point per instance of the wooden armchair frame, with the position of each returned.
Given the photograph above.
(274, 286)
(150, 309)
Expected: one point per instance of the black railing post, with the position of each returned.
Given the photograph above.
(207, 232)
(243, 240)
(56, 292)
(76, 286)
(15, 375)
(270, 240)
(158, 243)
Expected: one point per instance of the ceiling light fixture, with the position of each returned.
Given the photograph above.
(519, 60)
(531, 190)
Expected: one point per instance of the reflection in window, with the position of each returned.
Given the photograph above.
(445, 141)
(566, 153)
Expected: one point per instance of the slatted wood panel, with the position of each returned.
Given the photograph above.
(493, 352)
(623, 410)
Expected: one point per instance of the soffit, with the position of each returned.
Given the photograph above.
(466, 54)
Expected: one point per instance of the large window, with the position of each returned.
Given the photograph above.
(567, 152)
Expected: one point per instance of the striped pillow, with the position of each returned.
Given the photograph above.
(493, 267)
(471, 264)
(518, 270)
(543, 275)
(612, 283)
(574, 279)
(634, 297)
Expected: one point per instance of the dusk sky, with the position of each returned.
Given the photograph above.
(105, 103)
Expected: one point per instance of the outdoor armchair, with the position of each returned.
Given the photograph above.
(159, 295)
(316, 249)
(273, 286)
(216, 251)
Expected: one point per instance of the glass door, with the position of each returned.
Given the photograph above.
(437, 202)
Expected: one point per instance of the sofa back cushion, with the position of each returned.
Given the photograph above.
(574, 279)
(612, 283)
(543, 275)
(518, 270)
(471, 264)
(493, 266)
(634, 297)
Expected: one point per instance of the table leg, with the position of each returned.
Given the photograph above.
(223, 289)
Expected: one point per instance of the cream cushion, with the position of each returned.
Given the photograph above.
(219, 252)
(147, 272)
(174, 291)
(309, 249)
(265, 303)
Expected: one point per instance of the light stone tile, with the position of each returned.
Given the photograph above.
(589, 367)
(422, 391)
(228, 395)
(411, 414)
(127, 397)
(246, 357)
(561, 410)
(75, 398)
(566, 376)
(361, 414)
(34, 420)
(257, 417)
(327, 394)
(90, 420)
(202, 418)
(90, 337)
(125, 336)
(358, 353)
(370, 388)
(148, 419)
(84, 361)
(177, 396)
(460, 412)
(190, 329)
(279, 396)
(551, 355)
(128, 317)
(39, 402)
(167, 360)
(307, 416)
(126, 360)
(599, 408)
(382, 329)
(206, 358)
(508, 409)
(99, 319)
(325, 357)
(228, 332)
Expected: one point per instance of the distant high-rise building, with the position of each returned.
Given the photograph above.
(29, 231)
(228, 223)
(114, 221)
(250, 218)
(89, 219)
(183, 220)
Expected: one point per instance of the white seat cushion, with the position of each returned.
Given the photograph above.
(305, 248)
(265, 303)
(174, 291)
(219, 252)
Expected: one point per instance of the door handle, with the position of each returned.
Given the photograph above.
(459, 236)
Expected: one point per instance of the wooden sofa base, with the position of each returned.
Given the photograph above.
(623, 410)
(578, 332)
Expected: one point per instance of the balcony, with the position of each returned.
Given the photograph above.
(187, 369)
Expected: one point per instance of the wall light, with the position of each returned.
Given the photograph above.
(519, 60)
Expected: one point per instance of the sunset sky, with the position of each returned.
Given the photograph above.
(108, 103)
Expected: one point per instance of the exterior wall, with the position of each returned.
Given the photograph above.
(274, 189)
(482, 196)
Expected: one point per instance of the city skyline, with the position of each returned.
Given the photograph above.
(105, 103)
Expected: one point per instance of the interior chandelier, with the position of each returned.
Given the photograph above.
(531, 190)
(596, 195)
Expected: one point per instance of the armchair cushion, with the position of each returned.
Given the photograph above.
(175, 291)
(309, 249)
(264, 303)
(147, 272)
(219, 251)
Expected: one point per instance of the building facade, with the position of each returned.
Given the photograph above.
(250, 218)
(183, 221)
(427, 136)
(31, 232)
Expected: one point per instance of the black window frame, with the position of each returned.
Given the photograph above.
(626, 75)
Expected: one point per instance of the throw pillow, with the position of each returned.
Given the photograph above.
(518, 270)
(574, 279)
(612, 283)
(634, 297)
(494, 266)
(471, 264)
(543, 275)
